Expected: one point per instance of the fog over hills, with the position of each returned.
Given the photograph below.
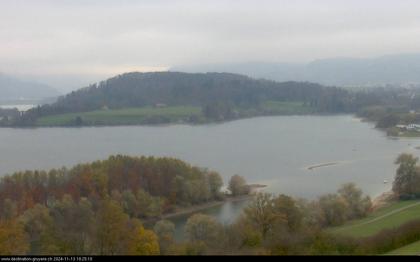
(398, 69)
(12, 88)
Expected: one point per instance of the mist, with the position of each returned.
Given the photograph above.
(68, 44)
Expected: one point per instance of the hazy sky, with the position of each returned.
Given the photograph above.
(62, 38)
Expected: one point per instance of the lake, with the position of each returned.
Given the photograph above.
(19, 107)
(275, 151)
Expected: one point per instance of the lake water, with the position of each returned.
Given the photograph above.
(275, 151)
(21, 108)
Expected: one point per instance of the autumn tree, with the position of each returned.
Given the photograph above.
(243, 233)
(215, 184)
(202, 228)
(111, 228)
(10, 209)
(407, 179)
(260, 213)
(73, 224)
(13, 239)
(238, 186)
(165, 231)
(38, 224)
(146, 205)
(285, 207)
(141, 241)
(358, 205)
(334, 208)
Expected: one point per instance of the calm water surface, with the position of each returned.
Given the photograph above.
(275, 151)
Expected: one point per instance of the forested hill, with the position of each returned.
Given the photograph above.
(221, 95)
(174, 88)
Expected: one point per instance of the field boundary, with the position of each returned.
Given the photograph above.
(393, 212)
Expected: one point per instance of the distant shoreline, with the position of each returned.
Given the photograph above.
(109, 121)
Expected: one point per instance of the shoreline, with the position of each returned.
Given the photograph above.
(383, 200)
(404, 134)
(170, 123)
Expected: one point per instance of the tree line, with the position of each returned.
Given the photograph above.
(97, 208)
(160, 183)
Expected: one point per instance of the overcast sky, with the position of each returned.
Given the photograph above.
(59, 38)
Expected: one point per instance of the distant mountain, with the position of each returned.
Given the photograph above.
(403, 69)
(15, 89)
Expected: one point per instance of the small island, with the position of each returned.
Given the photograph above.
(322, 165)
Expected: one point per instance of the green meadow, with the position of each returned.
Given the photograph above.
(125, 116)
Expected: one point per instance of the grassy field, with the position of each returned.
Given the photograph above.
(410, 134)
(412, 249)
(389, 217)
(126, 116)
(172, 114)
(287, 108)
